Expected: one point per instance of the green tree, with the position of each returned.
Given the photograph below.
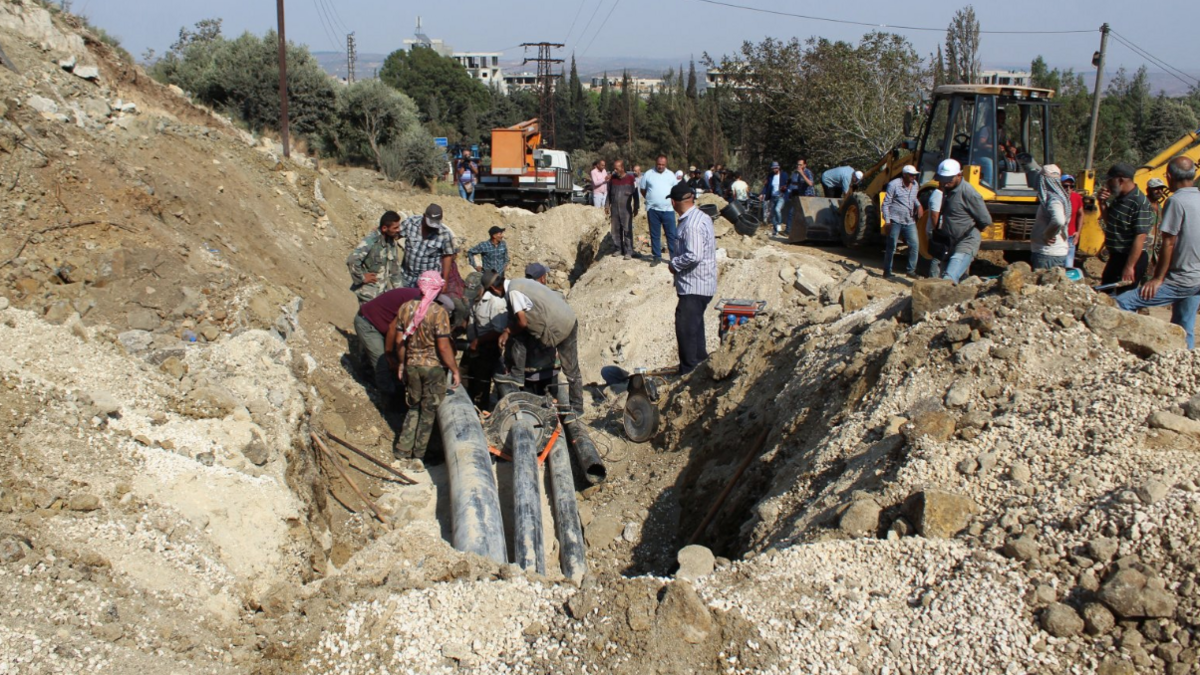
(442, 88)
(369, 115)
(962, 47)
(414, 158)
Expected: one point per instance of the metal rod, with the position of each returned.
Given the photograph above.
(581, 445)
(474, 499)
(360, 453)
(283, 95)
(1096, 94)
(528, 548)
(754, 450)
(349, 481)
(572, 551)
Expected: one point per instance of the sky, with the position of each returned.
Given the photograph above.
(669, 29)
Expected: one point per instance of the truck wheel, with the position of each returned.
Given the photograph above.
(860, 221)
(552, 200)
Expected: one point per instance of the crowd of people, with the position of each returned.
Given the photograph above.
(419, 323)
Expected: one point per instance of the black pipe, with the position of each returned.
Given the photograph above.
(582, 447)
(528, 548)
(474, 499)
(572, 552)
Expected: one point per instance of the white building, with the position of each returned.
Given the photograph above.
(521, 82)
(1010, 78)
(483, 66)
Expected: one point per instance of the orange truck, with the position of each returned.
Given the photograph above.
(522, 174)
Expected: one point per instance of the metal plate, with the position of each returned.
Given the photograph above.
(500, 423)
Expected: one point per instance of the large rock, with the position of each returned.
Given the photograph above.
(938, 514)
(1097, 620)
(811, 280)
(208, 402)
(1131, 595)
(879, 335)
(1143, 336)
(930, 295)
(936, 424)
(860, 518)
(1061, 620)
(1013, 280)
(695, 562)
(853, 299)
(682, 614)
(1177, 423)
(601, 532)
(143, 319)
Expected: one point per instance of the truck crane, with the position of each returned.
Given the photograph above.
(522, 173)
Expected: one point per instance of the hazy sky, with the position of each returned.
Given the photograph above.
(671, 29)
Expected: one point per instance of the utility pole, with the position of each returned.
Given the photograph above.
(283, 111)
(351, 58)
(546, 76)
(1098, 61)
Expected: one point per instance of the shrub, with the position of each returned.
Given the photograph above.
(414, 158)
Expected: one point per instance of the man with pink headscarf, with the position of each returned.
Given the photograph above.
(421, 338)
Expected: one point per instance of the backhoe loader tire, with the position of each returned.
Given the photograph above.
(860, 221)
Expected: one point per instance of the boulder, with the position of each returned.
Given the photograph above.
(1102, 549)
(683, 615)
(810, 280)
(1130, 595)
(959, 394)
(90, 73)
(695, 562)
(930, 295)
(856, 278)
(937, 514)
(83, 502)
(1151, 491)
(1015, 277)
(143, 319)
(938, 425)
(1023, 548)
(42, 105)
(1097, 620)
(879, 335)
(860, 518)
(1142, 336)
(1061, 621)
(1177, 423)
(853, 299)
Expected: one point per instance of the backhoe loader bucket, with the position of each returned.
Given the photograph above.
(816, 219)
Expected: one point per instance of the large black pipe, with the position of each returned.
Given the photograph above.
(582, 447)
(528, 548)
(572, 552)
(474, 499)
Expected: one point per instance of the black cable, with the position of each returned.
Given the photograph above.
(1168, 68)
(589, 23)
(573, 21)
(892, 27)
(329, 33)
(597, 33)
(332, 6)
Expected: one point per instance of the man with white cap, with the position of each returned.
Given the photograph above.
(837, 182)
(901, 211)
(774, 194)
(964, 217)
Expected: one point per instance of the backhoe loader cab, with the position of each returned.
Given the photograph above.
(981, 126)
(986, 126)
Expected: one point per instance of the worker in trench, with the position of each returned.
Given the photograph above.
(375, 264)
(420, 339)
(482, 359)
(372, 323)
(538, 318)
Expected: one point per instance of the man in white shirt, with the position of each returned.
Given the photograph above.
(599, 184)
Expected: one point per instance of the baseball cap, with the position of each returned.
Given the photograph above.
(490, 279)
(679, 174)
(909, 169)
(1052, 171)
(1155, 183)
(1121, 170)
(948, 169)
(433, 216)
(1068, 178)
(858, 175)
(495, 229)
(681, 191)
(692, 168)
(535, 270)
(774, 165)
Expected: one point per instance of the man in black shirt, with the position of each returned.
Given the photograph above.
(1127, 221)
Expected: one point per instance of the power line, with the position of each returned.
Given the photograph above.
(889, 26)
(589, 23)
(329, 32)
(333, 6)
(602, 24)
(577, 13)
(1171, 70)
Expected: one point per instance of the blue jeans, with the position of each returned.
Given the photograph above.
(957, 266)
(465, 195)
(1184, 301)
(659, 221)
(909, 230)
(777, 211)
(1039, 261)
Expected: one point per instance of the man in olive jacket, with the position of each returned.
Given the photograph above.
(540, 314)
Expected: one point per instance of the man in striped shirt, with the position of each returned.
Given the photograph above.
(901, 211)
(695, 268)
(1127, 221)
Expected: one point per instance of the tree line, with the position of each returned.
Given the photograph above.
(832, 102)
